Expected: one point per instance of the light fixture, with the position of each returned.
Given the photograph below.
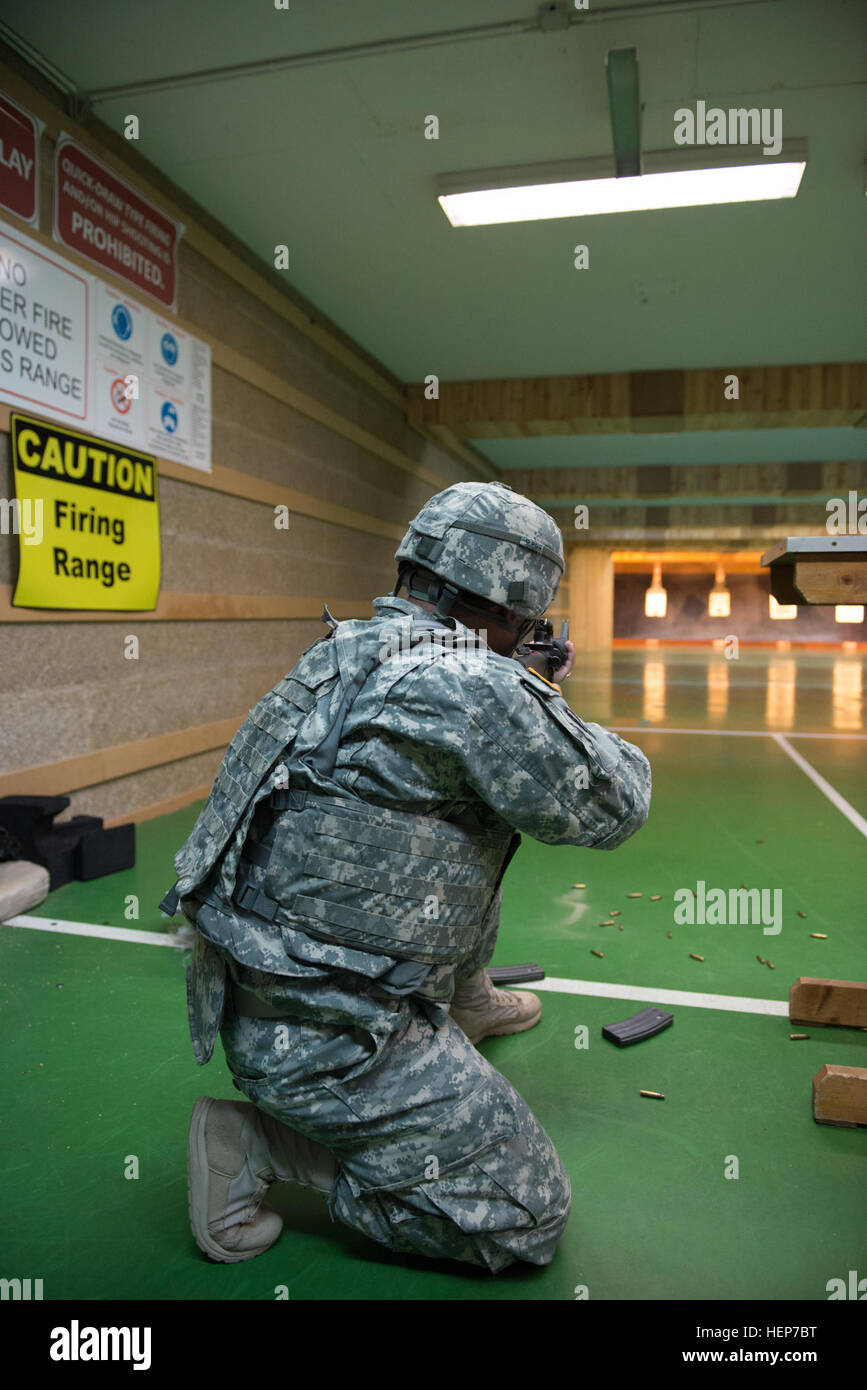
(781, 610)
(655, 598)
(588, 187)
(849, 613)
(719, 600)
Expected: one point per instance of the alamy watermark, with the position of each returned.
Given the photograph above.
(465, 648)
(76, 1343)
(22, 517)
(736, 126)
(737, 907)
(847, 516)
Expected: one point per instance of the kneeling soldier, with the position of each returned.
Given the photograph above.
(344, 881)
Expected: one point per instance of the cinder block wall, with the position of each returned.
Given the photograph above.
(66, 690)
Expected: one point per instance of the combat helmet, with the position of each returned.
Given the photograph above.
(486, 540)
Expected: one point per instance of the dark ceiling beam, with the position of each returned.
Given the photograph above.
(665, 402)
(706, 484)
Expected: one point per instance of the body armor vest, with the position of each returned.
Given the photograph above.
(316, 858)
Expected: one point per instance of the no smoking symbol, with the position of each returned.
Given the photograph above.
(119, 398)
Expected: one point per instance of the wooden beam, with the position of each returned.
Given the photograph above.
(161, 808)
(831, 582)
(703, 525)
(176, 607)
(828, 1003)
(630, 529)
(840, 1096)
(743, 484)
(646, 402)
(819, 569)
(107, 764)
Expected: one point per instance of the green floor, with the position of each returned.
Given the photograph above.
(96, 1062)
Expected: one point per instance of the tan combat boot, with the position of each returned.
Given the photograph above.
(485, 1012)
(234, 1154)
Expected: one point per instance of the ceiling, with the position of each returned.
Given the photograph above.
(330, 158)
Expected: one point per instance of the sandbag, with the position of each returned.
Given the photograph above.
(22, 886)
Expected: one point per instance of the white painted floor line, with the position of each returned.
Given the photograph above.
(730, 1003)
(725, 733)
(146, 938)
(825, 787)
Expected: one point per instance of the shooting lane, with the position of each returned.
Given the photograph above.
(709, 411)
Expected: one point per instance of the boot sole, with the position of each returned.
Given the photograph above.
(505, 1031)
(197, 1205)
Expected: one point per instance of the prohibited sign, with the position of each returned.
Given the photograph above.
(119, 397)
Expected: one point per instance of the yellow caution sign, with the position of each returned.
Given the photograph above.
(88, 520)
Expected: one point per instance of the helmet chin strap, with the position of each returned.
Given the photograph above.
(448, 596)
(441, 593)
(445, 595)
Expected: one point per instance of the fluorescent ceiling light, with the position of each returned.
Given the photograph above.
(688, 188)
(529, 194)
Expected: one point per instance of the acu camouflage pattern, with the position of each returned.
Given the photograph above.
(206, 997)
(438, 1154)
(441, 539)
(469, 741)
(401, 884)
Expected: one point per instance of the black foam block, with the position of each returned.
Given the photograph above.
(102, 851)
(24, 816)
(57, 850)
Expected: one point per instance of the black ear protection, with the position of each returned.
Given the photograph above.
(446, 595)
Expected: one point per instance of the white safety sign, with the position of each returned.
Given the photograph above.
(44, 338)
(78, 350)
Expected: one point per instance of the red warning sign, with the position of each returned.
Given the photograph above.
(101, 217)
(19, 160)
(120, 397)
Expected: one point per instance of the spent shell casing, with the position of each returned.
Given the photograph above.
(652, 1095)
(668, 933)
(761, 960)
(606, 924)
(579, 885)
(820, 935)
(801, 914)
(620, 926)
(614, 912)
(655, 897)
(693, 956)
(635, 895)
(597, 953)
(798, 1036)
(770, 965)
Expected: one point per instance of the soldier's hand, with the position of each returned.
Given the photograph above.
(563, 671)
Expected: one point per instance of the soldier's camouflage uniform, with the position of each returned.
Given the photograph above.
(345, 870)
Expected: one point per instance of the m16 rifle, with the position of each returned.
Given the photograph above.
(545, 654)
